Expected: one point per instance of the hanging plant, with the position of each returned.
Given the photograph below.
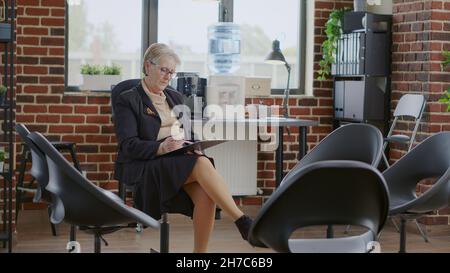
(446, 97)
(333, 30)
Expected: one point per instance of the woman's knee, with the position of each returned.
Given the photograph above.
(203, 163)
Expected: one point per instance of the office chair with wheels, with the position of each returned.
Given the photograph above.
(335, 192)
(409, 105)
(81, 203)
(429, 159)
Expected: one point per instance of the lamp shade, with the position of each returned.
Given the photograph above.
(275, 57)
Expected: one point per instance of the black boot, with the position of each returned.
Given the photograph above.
(243, 224)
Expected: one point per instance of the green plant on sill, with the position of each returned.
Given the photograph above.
(111, 70)
(2, 156)
(88, 69)
(333, 30)
(446, 97)
(3, 90)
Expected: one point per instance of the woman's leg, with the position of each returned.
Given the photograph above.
(203, 218)
(214, 185)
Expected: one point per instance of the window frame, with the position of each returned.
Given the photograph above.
(146, 33)
(225, 14)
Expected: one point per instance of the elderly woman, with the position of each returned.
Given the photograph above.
(187, 184)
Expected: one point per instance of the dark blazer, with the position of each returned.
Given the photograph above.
(137, 125)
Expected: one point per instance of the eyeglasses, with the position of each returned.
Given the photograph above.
(165, 71)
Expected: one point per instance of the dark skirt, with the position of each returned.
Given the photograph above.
(161, 187)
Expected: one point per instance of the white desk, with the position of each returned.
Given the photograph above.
(236, 160)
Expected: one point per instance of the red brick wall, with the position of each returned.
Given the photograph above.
(421, 31)
(84, 118)
(44, 106)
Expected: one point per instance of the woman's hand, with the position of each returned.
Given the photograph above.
(170, 144)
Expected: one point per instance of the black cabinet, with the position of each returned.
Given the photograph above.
(7, 38)
(362, 71)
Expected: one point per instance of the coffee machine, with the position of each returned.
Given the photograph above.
(194, 89)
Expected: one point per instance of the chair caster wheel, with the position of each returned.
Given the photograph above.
(139, 228)
(73, 247)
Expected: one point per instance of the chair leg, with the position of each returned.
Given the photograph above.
(73, 233)
(402, 236)
(122, 191)
(53, 226)
(97, 243)
(164, 236)
(395, 224)
(385, 160)
(422, 232)
(73, 154)
(330, 232)
(23, 164)
(218, 214)
(72, 237)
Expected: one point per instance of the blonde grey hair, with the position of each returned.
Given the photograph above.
(156, 51)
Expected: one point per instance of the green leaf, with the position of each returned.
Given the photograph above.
(333, 30)
(446, 55)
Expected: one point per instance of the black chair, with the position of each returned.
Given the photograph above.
(429, 159)
(324, 193)
(26, 156)
(359, 142)
(123, 188)
(115, 92)
(79, 202)
(39, 173)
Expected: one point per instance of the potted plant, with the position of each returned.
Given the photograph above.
(446, 97)
(97, 78)
(3, 91)
(333, 30)
(2, 160)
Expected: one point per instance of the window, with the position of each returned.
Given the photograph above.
(103, 32)
(279, 19)
(120, 33)
(185, 29)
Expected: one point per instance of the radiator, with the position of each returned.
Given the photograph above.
(236, 161)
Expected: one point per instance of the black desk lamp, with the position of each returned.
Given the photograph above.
(276, 57)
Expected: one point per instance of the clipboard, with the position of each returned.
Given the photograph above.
(198, 145)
